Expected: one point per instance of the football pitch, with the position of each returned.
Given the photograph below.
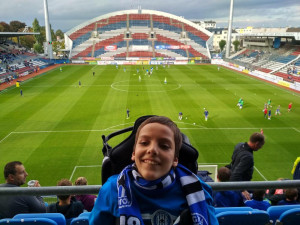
(55, 128)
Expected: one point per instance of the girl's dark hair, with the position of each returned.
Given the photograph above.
(167, 122)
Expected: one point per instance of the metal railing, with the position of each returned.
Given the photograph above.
(94, 189)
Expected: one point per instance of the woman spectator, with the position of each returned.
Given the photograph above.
(87, 200)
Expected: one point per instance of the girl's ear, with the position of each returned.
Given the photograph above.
(133, 156)
(175, 163)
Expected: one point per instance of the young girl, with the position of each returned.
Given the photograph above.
(155, 189)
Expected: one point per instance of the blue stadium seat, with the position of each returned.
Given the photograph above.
(80, 221)
(230, 209)
(290, 217)
(85, 214)
(57, 217)
(256, 217)
(30, 221)
(276, 211)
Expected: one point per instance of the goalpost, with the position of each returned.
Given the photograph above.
(210, 168)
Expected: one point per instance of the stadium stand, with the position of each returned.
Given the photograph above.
(80, 221)
(276, 211)
(283, 215)
(57, 217)
(133, 34)
(29, 221)
(289, 217)
(234, 209)
(16, 61)
(283, 62)
(257, 217)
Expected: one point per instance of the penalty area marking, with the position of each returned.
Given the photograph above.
(93, 166)
(203, 164)
(75, 168)
(260, 174)
(5, 137)
(296, 129)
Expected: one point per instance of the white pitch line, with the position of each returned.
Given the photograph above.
(122, 124)
(296, 129)
(89, 166)
(94, 67)
(75, 167)
(6, 137)
(261, 174)
(73, 172)
(113, 128)
(7, 90)
(239, 128)
(55, 131)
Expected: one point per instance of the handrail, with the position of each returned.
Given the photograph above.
(94, 189)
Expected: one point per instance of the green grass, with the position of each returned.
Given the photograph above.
(55, 128)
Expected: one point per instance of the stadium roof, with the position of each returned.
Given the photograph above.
(295, 35)
(16, 34)
(144, 11)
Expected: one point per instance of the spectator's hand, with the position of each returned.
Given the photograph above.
(246, 195)
(37, 184)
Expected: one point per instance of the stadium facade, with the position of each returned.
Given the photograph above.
(138, 34)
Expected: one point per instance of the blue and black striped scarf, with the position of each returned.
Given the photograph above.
(191, 186)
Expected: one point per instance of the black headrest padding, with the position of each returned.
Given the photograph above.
(120, 155)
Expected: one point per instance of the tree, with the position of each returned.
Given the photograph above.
(57, 46)
(236, 44)
(15, 25)
(37, 28)
(53, 36)
(38, 48)
(27, 41)
(4, 27)
(222, 44)
(59, 33)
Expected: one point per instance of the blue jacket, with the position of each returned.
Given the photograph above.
(228, 199)
(172, 201)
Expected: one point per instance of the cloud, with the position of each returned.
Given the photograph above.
(66, 14)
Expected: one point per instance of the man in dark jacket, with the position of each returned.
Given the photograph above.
(242, 161)
(10, 205)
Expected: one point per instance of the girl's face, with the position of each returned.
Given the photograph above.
(154, 152)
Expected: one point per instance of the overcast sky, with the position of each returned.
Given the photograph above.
(66, 14)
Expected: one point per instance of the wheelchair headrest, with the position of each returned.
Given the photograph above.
(120, 156)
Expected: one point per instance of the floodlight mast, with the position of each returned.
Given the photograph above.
(48, 32)
(228, 44)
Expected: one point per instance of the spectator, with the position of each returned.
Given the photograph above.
(275, 195)
(296, 173)
(87, 200)
(65, 205)
(291, 195)
(10, 205)
(242, 161)
(258, 201)
(226, 198)
(155, 187)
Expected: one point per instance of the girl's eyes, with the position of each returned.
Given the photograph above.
(144, 143)
(164, 146)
